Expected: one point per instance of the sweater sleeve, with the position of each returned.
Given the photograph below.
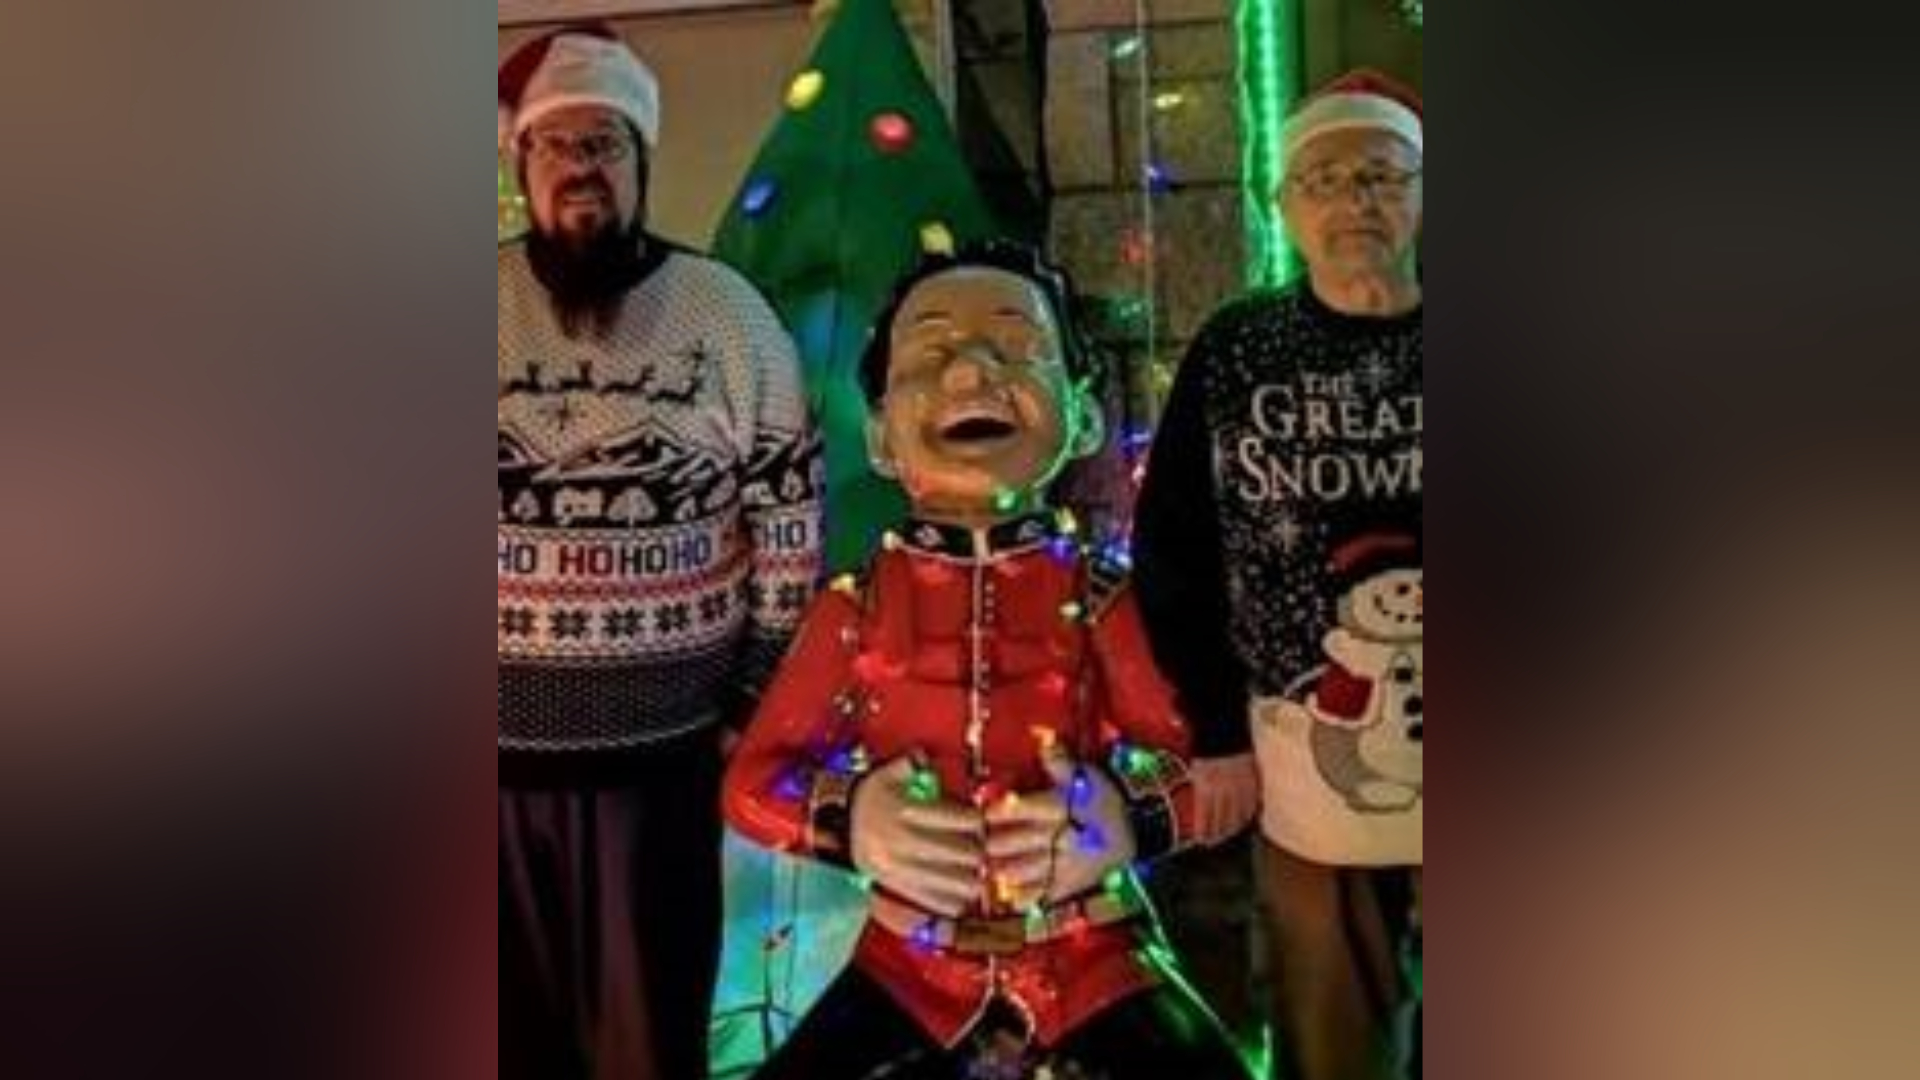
(1179, 572)
(781, 503)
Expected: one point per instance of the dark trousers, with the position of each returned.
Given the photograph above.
(610, 922)
(1202, 900)
(857, 1032)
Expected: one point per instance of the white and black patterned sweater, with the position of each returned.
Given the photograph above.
(659, 518)
(1291, 430)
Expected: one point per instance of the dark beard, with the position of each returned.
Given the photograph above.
(588, 281)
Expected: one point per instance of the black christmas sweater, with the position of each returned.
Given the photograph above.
(1290, 454)
(659, 517)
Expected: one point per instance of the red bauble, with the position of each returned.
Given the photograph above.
(891, 133)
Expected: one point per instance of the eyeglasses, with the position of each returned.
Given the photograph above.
(1326, 183)
(595, 149)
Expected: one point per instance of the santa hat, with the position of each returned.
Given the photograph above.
(1369, 553)
(586, 64)
(1359, 99)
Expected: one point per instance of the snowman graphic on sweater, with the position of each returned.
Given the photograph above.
(1368, 704)
(1341, 752)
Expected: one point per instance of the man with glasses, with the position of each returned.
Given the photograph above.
(1278, 563)
(658, 536)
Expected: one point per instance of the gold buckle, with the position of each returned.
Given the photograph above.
(994, 937)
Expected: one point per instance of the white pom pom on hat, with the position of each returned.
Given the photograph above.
(1364, 99)
(585, 64)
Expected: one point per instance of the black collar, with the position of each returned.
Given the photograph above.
(1006, 538)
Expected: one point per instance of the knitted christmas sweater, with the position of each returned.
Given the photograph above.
(659, 512)
(1293, 433)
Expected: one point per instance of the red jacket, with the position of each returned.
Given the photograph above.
(888, 667)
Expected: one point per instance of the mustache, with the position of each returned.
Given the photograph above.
(586, 186)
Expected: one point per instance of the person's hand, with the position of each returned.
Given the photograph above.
(1226, 795)
(1052, 845)
(913, 843)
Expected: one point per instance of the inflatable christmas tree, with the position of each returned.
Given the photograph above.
(860, 174)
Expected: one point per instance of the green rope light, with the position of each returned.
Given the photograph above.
(1268, 33)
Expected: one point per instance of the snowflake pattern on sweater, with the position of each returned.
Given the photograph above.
(1318, 423)
(1279, 540)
